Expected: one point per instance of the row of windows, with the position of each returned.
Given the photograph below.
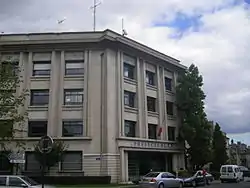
(72, 161)
(72, 67)
(129, 72)
(71, 97)
(130, 130)
(129, 100)
(69, 128)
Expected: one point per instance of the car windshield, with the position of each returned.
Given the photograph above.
(29, 181)
(152, 174)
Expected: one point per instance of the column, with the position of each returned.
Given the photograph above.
(140, 97)
(165, 117)
(119, 91)
(86, 107)
(53, 122)
(122, 166)
(176, 165)
(160, 100)
(144, 99)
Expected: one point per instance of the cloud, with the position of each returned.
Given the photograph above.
(214, 35)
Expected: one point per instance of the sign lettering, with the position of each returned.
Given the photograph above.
(145, 144)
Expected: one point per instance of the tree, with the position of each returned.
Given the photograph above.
(12, 99)
(53, 157)
(220, 156)
(196, 130)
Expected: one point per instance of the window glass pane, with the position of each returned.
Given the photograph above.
(72, 128)
(171, 133)
(72, 161)
(230, 169)
(16, 182)
(31, 164)
(3, 181)
(39, 97)
(73, 97)
(152, 131)
(37, 128)
(168, 84)
(129, 128)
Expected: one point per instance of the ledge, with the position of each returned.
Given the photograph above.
(172, 117)
(130, 81)
(130, 109)
(74, 77)
(72, 107)
(39, 78)
(151, 87)
(153, 114)
(169, 92)
(38, 108)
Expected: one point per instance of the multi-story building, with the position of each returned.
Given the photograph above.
(109, 98)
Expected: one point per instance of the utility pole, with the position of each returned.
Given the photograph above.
(94, 13)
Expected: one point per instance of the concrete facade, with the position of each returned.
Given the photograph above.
(103, 142)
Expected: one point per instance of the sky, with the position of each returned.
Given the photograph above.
(214, 35)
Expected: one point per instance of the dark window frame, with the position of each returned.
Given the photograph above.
(75, 93)
(39, 124)
(74, 71)
(171, 133)
(130, 69)
(150, 78)
(69, 123)
(43, 92)
(170, 108)
(152, 135)
(43, 72)
(131, 99)
(62, 168)
(151, 104)
(130, 125)
(168, 84)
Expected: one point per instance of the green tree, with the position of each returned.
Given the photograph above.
(196, 129)
(53, 157)
(219, 148)
(12, 99)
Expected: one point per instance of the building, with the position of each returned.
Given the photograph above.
(109, 98)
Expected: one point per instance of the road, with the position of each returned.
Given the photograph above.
(230, 185)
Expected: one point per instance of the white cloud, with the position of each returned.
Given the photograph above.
(220, 48)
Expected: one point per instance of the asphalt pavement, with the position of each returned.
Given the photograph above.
(217, 184)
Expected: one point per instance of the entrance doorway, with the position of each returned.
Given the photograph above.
(140, 163)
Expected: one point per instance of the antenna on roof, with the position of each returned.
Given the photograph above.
(124, 32)
(94, 12)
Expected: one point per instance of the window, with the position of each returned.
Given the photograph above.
(129, 128)
(15, 182)
(37, 128)
(72, 128)
(129, 99)
(72, 160)
(9, 68)
(168, 84)
(74, 67)
(151, 104)
(129, 71)
(229, 169)
(41, 68)
(39, 97)
(73, 96)
(152, 134)
(150, 78)
(170, 108)
(171, 133)
(31, 164)
(7, 128)
(3, 181)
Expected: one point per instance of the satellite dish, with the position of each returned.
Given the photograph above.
(124, 32)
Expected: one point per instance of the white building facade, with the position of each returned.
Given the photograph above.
(110, 99)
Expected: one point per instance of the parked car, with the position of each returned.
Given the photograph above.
(245, 170)
(231, 173)
(19, 181)
(160, 180)
(198, 179)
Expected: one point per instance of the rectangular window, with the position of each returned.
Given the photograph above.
(72, 128)
(72, 161)
(74, 67)
(170, 108)
(151, 104)
(152, 134)
(39, 97)
(31, 164)
(129, 99)
(41, 68)
(171, 133)
(129, 71)
(6, 128)
(168, 84)
(9, 68)
(3, 180)
(150, 78)
(37, 128)
(73, 96)
(129, 128)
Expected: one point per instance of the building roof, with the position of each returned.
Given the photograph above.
(77, 37)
